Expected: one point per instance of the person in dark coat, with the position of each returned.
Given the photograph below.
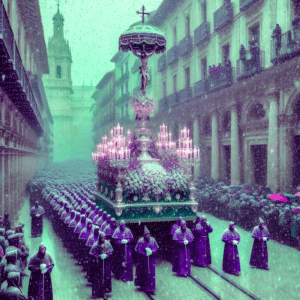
(40, 265)
(259, 254)
(243, 53)
(13, 290)
(123, 239)
(273, 221)
(183, 238)
(36, 214)
(93, 238)
(100, 267)
(83, 237)
(145, 269)
(231, 260)
(6, 222)
(277, 36)
(173, 251)
(202, 246)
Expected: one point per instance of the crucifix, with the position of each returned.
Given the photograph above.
(143, 13)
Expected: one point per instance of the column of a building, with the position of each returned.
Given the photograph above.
(273, 164)
(6, 180)
(235, 148)
(196, 139)
(215, 151)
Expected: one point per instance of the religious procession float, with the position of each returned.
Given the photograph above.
(141, 179)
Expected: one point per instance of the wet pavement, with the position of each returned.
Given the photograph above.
(280, 282)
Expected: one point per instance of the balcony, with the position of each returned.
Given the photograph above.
(185, 46)
(162, 63)
(223, 16)
(106, 119)
(202, 33)
(163, 104)
(136, 66)
(16, 83)
(173, 99)
(285, 47)
(104, 100)
(124, 119)
(201, 87)
(250, 65)
(123, 99)
(122, 79)
(220, 79)
(245, 4)
(172, 55)
(185, 94)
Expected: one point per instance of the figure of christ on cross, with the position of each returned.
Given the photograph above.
(144, 69)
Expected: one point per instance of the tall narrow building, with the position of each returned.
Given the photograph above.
(65, 105)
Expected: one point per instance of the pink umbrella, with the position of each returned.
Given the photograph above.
(297, 194)
(278, 197)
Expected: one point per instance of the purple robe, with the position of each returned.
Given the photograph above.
(94, 213)
(202, 256)
(36, 214)
(104, 224)
(93, 238)
(173, 246)
(102, 219)
(100, 269)
(123, 256)
(259, 254)
(183, 252)
(231, 260)
(145, 268)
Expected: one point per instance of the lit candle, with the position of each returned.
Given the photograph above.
(128, 135)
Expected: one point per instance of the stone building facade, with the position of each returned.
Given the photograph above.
(25, 119)
(69, 105)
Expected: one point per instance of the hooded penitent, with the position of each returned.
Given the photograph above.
(183, 233)
(102, 219)
(98, 216)
(94, 237)
(176, 226)
(107, 222)
(75, 221)
(110, 229)
(70, 217)
(86, 232)
(13, 289)
(80, 224)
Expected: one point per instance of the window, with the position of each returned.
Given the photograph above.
(203, 12)
(187, 77)
(174, 83)
(203, 68)
(164, 89)
(58, 72)
(254, 34)
(174, 36)
(187, 25)
(225, 52)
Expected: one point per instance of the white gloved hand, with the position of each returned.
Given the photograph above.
(103, 256)
(149, 251)
(37, 215)
(234, 242)
(43, 268)
(124, 241)
(185, 242)
(207, 223)
(264, 239)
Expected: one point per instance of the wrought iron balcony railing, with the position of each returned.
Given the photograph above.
(202, 33)
(220, 79)
(201, 87)
(16, 83)
(185, 46)
(122, 79)
(285, 46)
(172, 99)
(172, 55)
(124, 98)
(245, 4)
(162, 63)
(185, 94)
(250, 64)
(223, 16)
(163, 104)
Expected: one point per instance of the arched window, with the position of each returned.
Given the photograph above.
(256, 112)
(58, 72)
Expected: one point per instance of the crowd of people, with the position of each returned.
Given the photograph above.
(244, 205)
(14, 255)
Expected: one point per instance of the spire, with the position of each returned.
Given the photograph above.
(58, 23)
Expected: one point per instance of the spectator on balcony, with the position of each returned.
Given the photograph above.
(214, 69)
(277, 37)
(243, 53)
(254, 51)
(227, 63)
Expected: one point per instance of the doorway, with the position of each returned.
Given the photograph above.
(259, 153)
(296, 161)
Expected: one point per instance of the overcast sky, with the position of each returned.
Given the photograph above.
(93, 28)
